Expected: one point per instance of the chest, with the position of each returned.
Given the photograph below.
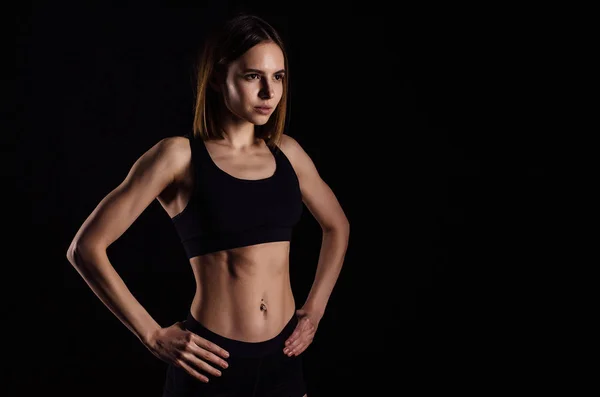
(252, 166)
(221, 199)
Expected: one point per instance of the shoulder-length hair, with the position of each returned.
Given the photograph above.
(222, 47)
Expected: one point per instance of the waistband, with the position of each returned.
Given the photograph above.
(241, 348)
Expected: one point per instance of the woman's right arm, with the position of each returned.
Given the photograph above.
(148, 177)
(153, 172)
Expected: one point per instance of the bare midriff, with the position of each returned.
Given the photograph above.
(244, 293)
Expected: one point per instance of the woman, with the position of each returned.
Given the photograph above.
(234, 188)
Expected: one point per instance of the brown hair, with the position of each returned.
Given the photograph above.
(223, 46)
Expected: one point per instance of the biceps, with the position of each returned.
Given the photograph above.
(114, 215)
(322, 203)
(122, 206)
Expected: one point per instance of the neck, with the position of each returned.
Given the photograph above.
(237, 133)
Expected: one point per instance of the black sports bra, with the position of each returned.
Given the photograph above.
(226, 212)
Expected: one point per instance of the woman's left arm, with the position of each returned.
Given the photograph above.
(324, 206)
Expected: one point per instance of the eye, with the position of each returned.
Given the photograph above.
(279, 77)
(251, 76)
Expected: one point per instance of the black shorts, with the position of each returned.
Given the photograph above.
(256, 369)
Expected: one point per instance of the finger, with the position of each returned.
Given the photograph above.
(210, 346)
(303, 325)
(294, 336)
(302, 344)
(299, 349)
(297, 353)
(206, 355)
(295, 343)
(200, 362)
(293, 346)
(302, 347)
(191, 371)
(294, 351)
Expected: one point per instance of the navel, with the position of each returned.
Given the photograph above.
(263, 305)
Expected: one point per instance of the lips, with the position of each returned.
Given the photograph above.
(263, 109)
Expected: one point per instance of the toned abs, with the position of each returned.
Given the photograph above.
(242, 293)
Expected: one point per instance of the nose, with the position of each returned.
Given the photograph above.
(266, 91)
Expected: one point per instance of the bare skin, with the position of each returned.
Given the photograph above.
(242, 293)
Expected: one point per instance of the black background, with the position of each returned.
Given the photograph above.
(412, 118)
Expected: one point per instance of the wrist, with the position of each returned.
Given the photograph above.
(315, 309)
(149, 336)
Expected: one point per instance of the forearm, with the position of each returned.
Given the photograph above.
(331, 259)
(97, 271)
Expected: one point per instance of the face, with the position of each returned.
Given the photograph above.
(254, 83)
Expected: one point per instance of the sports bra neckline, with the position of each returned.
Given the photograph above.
(223, 172)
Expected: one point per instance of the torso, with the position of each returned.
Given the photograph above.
(242, 293)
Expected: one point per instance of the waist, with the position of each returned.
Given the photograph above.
(247, 319)
(241, 348)
(244, 294)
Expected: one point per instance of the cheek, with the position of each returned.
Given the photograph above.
(238, 94)
(279, 91)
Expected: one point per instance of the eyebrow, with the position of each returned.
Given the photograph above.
(261, 72)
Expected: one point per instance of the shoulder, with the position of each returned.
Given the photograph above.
(290, 146)
(300, 160)
(174, 149)
(171, 154)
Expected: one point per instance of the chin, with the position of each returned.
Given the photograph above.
(260, 120)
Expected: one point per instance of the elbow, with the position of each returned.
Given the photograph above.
(344, 225)
(341, 227)
(73, 252)
(79, 250)
(345, 228)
